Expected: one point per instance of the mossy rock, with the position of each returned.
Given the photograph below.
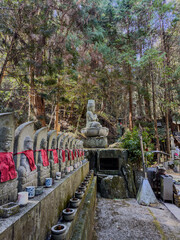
(113, 187)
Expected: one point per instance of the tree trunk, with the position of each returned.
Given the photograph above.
(130, 99)
(154, 111)
(56, 122)
(40, 109)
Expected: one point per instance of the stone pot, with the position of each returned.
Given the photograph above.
(58, 232)
(82, 188)
(88, 177)
(79, 194)
(86, 182)
(74, 202)
(68, 214)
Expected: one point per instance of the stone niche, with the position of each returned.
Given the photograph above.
(115, 174)
(8, 189)
(52, 146)
(41, 156)
(24, 156)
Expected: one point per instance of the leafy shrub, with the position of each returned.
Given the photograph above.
(131, 142)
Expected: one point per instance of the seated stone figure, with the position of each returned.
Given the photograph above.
(93, 127)
(96, 135)
(27, 162)
(8, 174)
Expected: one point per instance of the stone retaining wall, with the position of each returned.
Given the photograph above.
(34, 221)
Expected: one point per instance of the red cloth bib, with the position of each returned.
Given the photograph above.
(69, 156)
(7, 166)
(55, 156)
(63, 155)
(72, 155)
(30, 156)
(44, 157)
(78, 153)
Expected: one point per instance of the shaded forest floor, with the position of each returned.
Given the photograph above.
(121, 219)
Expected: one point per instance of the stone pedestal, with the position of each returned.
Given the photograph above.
(8, 191)
(95, 142)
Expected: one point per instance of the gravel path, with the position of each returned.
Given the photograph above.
(127, 220)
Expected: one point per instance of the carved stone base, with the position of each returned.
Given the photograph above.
(29, 180)
(95, 142)
(43, 172)
(8, 191)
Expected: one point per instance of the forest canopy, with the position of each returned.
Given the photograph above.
(55, 55)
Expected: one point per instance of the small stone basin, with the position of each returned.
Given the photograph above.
(9, 209)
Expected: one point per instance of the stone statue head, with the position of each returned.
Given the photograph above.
(43, 144)
(53, 145)
(91, 105)
(5, 139)
(28, 143)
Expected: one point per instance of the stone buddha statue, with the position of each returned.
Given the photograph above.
(91, 117)
(94, 128)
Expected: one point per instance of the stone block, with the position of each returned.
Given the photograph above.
(113, 187)
(95, 142)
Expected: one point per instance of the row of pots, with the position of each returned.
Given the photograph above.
(58, 232)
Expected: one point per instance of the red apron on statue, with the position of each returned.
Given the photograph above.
(30, 156)
(63, 155)
(55, 156)
(72, 155)
(7, 167)
(44, 157)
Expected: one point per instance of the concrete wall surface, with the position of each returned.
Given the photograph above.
(35, 220)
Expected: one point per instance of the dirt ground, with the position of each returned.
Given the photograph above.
(126, 220)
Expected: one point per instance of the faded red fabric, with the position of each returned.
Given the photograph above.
(55, 156)
(30, 156)
(78, 152)
(63, 155)
(7, 167)
(44, 157)
(69, 156)
(72, 155)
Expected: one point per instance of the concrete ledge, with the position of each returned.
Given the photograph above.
(36, 219)
(84, 223)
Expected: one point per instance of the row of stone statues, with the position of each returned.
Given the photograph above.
(27, 157)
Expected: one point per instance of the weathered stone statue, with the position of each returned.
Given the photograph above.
(52, 153)
(24, 156)
(8, 174)
(41, 156)
(96, 135)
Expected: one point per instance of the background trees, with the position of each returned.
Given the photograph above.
(55, 55)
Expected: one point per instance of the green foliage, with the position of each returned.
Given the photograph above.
(131, 142)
